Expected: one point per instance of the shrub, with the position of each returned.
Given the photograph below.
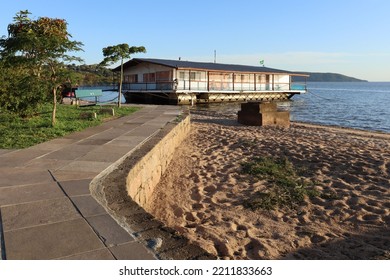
(21, 93)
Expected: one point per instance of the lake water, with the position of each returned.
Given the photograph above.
(355, 105)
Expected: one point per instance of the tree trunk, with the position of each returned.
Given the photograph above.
(53, 115)
(120, 85)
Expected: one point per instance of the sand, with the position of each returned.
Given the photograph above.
(202, 193)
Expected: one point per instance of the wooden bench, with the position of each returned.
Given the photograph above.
(83, 93)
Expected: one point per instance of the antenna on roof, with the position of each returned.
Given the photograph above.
(215, 56)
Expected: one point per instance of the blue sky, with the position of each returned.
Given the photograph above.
(343, 36)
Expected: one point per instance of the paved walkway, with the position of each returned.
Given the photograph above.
(46, 210)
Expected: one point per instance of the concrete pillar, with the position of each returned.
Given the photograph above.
(263, 114)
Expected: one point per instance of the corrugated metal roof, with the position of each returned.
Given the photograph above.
(182, 64)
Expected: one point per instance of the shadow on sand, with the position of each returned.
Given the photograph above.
(370, 245)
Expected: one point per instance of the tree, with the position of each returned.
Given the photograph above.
(20, 92)
(113, 54)
(41, 46)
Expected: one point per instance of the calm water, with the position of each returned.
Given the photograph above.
(356, 105)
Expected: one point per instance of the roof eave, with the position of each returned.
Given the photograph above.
(136, 61)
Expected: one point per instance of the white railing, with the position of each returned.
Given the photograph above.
(214, 86)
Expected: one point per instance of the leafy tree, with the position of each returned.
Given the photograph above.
(113, 54)
(20, 93)
(41, 46)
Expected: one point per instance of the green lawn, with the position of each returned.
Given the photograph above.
(16, 132)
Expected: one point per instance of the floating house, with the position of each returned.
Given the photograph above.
(187, 82)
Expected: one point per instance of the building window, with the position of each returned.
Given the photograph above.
(182, 75)
(193, 75)
(261, 78)
(149, 77)
(243, 78)
(163, 76)
(220, 81)
(131, 78)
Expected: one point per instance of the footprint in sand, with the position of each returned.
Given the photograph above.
(304, 219)
(371, 217)
(241, 231)
(198, 206)
(256, 250)
(190, 217)
(196, 196)
(222, 248)
(373, 209)
(378, 188)
(178, 212)
(316, 238)
(356, 201)
(195, 178)
(211, 190)
(386, 205)
(242, 227)
(201, 216)
(386, 168)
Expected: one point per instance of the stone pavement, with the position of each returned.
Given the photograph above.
(46, 209)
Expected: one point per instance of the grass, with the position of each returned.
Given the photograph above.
(285, 188)
(19, 133)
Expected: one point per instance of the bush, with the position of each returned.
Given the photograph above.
(20, 93)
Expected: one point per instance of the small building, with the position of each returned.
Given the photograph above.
(187, 82)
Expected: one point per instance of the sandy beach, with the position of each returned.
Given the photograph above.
(203, 193)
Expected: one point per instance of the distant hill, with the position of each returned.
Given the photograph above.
(326, 77)
(91, 75)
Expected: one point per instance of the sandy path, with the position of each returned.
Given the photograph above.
(202, 193)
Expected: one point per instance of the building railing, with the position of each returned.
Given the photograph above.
(298, 86)
(149, 86)
(214, 86)
(192, 85)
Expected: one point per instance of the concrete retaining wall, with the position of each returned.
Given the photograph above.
(125, 188)
(146, 173)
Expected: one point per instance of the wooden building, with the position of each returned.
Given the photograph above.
(187, 82)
